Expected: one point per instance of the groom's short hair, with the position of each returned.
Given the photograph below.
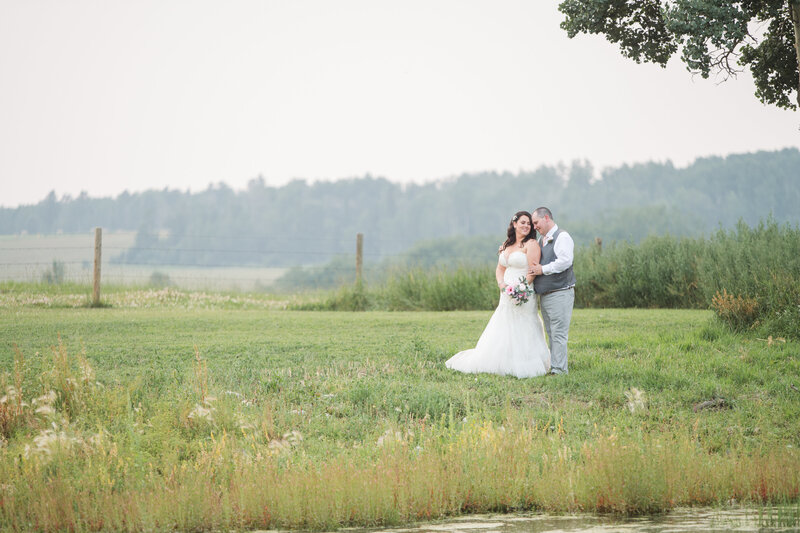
(541, 212)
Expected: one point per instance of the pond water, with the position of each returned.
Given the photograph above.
(681, 520)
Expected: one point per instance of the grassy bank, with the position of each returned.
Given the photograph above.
(230, 415)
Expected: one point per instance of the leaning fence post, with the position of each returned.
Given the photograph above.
(98, 238)
(359, 256)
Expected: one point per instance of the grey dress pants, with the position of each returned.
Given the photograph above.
(556, 314)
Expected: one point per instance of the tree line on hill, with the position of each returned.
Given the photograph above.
(311, 223)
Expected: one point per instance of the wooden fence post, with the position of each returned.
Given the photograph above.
(98, 239)
(359, 256)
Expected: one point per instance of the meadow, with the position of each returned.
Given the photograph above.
(177, 410)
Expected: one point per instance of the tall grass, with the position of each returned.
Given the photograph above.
(440, 290)
(659, 272)
(760, 265)
(416, 289)
(749, 276)
(480, 468)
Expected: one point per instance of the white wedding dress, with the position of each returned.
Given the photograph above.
(513, 341)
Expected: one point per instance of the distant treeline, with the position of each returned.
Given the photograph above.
(310, 223)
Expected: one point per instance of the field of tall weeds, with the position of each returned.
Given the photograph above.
(750, 277)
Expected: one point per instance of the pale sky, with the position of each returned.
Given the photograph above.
(104, 96)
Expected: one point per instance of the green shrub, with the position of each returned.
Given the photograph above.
(738, 312)
(416, 289)
(440, 290)
(749, 276)
(659, 272)
(348, 298)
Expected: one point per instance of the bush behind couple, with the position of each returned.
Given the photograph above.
(513, 342)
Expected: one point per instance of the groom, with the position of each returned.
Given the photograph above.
(555, 285)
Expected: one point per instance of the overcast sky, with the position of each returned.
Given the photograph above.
(105, 96)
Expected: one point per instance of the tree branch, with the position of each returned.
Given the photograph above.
(721, 62)
(794, 10)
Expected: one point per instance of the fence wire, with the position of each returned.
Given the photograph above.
(117, 268)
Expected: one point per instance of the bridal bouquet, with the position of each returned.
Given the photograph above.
(520, 292)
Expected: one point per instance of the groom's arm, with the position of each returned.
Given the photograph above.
(565, 253)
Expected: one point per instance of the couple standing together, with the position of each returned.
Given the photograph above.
(513, 341)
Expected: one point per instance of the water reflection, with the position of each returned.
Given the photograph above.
(682, 520)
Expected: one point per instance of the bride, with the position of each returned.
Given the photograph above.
(513, 341)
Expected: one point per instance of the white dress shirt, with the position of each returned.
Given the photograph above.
(564, 248)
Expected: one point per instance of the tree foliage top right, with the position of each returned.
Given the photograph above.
(719, 36)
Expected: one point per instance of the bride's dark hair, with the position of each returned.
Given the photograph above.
(512, 233)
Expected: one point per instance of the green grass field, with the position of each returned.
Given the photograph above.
(209, 413)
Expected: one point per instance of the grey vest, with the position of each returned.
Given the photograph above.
(553, 282)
